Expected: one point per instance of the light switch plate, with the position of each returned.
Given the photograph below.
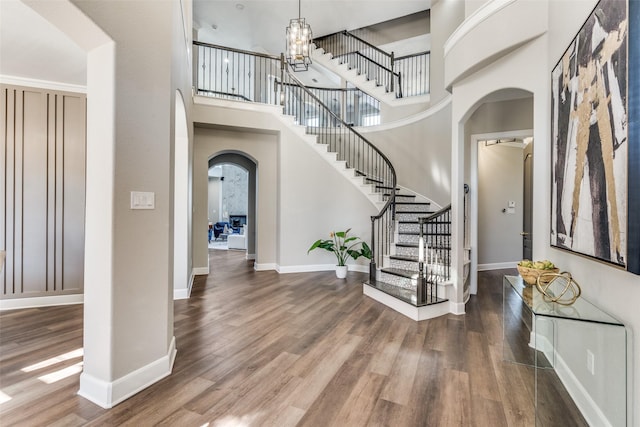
(143, 200)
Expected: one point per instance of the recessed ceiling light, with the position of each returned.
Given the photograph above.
(239, 6)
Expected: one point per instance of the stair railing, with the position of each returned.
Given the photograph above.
(363, 56)
(414, 70)
(435, 234)
(236, 74)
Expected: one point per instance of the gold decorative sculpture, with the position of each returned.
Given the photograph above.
(556, 287)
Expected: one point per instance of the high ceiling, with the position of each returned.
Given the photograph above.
(31, 47)
(259, 25)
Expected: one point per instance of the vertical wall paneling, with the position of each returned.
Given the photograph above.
(33, 210)
(73, 192)
(43, 191)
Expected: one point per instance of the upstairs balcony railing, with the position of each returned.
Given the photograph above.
(227, 73)
(414, 70)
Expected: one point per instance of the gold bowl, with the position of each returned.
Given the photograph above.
(530, 275)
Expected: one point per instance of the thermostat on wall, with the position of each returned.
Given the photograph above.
(143, 200)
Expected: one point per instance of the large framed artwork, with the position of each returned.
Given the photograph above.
(592, 155)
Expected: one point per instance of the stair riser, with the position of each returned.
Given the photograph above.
(439, 270)
(406, 283)
(401, 282)
(411, 216)
(430, 239)
(400, 199)
(408, 228)
(412, 207)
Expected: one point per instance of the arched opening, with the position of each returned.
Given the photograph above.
(182, 278)
(232, 199)
(497, 131)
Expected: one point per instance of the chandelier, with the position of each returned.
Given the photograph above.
(299, 39)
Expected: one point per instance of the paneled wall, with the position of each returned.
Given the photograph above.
(42, 184)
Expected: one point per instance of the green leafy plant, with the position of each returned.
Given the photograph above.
(343, 246)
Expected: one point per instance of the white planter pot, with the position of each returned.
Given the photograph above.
(341, 271)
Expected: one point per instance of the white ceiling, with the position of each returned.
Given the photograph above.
(31, 47)
(259, 25)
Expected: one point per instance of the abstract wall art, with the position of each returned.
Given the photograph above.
(590, 139)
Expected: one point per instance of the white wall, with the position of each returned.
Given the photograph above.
(419, 150)
(263, 149)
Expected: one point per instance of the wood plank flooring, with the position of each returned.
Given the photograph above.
(263, 349)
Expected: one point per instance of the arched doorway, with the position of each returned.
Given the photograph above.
(244, 162)
(496, 129)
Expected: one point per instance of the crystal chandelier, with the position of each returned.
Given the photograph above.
(299, 39)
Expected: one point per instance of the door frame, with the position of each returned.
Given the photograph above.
(473, 196)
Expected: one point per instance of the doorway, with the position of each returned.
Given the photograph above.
(497, 200)
(232, 203)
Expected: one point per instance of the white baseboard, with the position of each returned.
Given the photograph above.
(265, 266)
(319, 267)
(251, 256)
(456, 307)
(497, 265)
(408, 310)
(108, 394)
(184, 293)
(201, 271)
(17, 303)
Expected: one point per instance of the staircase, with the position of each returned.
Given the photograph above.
(374, 71)
(365, 65)
(403, 276)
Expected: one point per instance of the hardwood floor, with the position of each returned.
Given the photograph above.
(263, 349)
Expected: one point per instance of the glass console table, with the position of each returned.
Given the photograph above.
(579, 356)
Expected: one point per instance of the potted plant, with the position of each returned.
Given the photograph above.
(344, 247)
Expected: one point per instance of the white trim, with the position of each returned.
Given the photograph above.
(184, 293)
(108, 394)
(17, 303)
(444, 102)
(476, 18)
(408, 310)
(42, 84)
(265, 266)
(457, 308)
(201, 271)
(497, 265)
(250, 256)
(319, 267)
